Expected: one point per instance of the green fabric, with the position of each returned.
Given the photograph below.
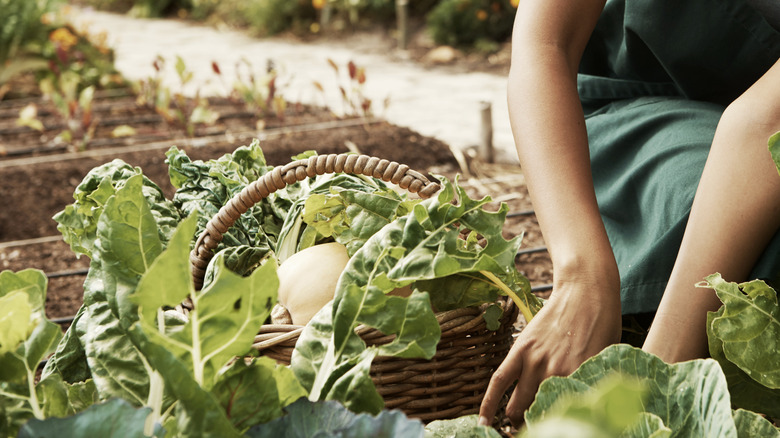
(654, 81)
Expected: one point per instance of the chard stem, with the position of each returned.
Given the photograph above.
(524, 309)
(36, 408)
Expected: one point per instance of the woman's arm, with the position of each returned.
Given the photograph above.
(583, 313)
(735, 213)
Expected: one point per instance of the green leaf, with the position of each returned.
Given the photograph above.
(750, 425)
(197, 411)
(78, 221)
(115, 418)
(254, 393)
(774, 149)
(745, 392)
(461, 427)
(26, 337)
(32, 282)
(226, 315)
(208, 186)
(422, 245)
(691, 398)
(749, 328)
(15, 314)
(611, 407)
(331, 420)
(129, 242)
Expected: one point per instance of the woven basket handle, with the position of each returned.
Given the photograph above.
(281, 176)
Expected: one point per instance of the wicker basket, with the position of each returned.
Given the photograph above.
(449, 385)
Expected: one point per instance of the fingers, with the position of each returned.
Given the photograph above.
(522, 397)
(502, 379)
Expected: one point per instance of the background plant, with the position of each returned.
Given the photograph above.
(175, 107)
(351, 89)
(471, 22)
(259, 93)
(24, 27)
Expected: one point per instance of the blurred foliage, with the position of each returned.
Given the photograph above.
(23, 26)
(34, 37)
(471, 23)
(265, 17)
(478, 24)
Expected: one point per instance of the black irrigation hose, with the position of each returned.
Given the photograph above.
(67, 273)
(532, 250)
(63, 320)
(542, 288)
(520, 213)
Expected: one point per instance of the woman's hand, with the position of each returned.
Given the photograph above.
(574, 324)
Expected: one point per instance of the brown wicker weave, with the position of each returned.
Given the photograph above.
(449, 385)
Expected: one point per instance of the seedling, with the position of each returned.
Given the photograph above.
(175, 108)
(260, 94)
(354, 101)
(73, 106)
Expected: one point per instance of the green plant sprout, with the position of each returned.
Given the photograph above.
(260, 94)
(175, 108)
(353, 99)
(74, 106)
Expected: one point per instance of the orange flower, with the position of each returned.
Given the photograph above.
(482, 15)
(63, 38)
(318, 4)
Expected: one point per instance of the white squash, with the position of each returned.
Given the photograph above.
(307, 280)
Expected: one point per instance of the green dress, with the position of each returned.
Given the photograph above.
(654, 81)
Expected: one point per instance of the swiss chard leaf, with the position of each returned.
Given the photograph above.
(26, 338)
(255, 393)
(208, 186)
(197, 411)
(422, 245)
(128, 241)
(226, 315)
(78, 221)
(352, 216)
(610, 408)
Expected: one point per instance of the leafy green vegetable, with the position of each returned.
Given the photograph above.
(207, 186)
(690, 398)
(750, 425)
(305, 419)
(742, 338)
(745, 392)
(774, 149)
(749, 328)
(347, 208)
(611, 408)
(78, 221)
(423, 245)
(113, 419)
(226, 315)
(461, 427)
(26, 338)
